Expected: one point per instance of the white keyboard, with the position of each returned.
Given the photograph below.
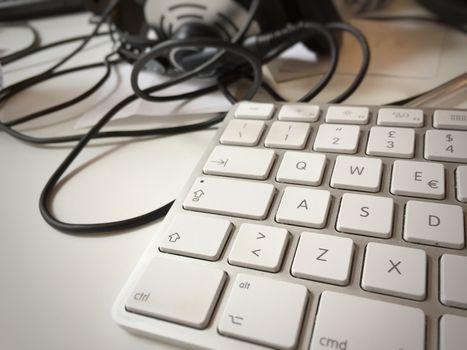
(314, 227)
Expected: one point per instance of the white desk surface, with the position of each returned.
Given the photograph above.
(56, 290)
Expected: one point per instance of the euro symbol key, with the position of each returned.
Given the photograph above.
(301, 165)
(433, 184)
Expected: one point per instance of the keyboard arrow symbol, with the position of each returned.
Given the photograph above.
(260, 235)
(256, 251)
(220, 162)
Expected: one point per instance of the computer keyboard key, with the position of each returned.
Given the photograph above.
(304, 207)
(299, 113)
(224, 196)
(243, 132)
(452, 332)
(418, 179)
(394, 270)
(453, 281)
(366, 215)
(196, 236)
(434, 224)
(461, 183)
(254, 110)
(288, 135)
(446, 119)
(259, 247)
(323, 258)
(391, 142)
(235, 161)
(171, 290)
(301, 168)
(348, 115)
(264, 311)
(400, 117)
(348, 322)
(446, 145)
(357, 173)
(337, 138)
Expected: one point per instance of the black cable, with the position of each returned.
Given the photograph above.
(365, 59)
(36, 41)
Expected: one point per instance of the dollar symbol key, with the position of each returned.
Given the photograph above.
(449, 138)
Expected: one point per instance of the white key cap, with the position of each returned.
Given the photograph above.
(264, 311)
(299, 113)
(446, 145)
(288, 135)
(252, 163)
(391, 142)
(418, 179)
(400, 117)
(461, 183)
(445, 119)
(304, 207)
(366, 215)
(355, 323)
(259, 247)
(394, 270)
(434, 224)
(254, 110)
(323, 258)
(452, 334)
(357, 173)
(337, 138)
(453, 280)
(243, 132)
(245, 199)
(302, 168)
(168, 286)
(197, 236)
(347, 115)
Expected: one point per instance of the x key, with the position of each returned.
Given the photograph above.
(383, 273)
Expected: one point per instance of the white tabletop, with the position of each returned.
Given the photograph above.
(56, 290)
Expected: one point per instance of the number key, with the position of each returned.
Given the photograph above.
(391, 142)
(447, 145)
(337, 138)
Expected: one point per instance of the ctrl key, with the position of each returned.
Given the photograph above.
(346, 322)
(171, 290)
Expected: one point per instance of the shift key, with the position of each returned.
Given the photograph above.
(356, 323)
(246, 199)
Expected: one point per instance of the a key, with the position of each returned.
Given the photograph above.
(243, 132)
(453, 280)
(240, 198)
(393, 270)
(337, 138)
(357, 173)
(301, 168)
(391, 142)
(289, 135)
(418, 179)
(304, 207)
(251, 163)
(254, 110)
(323, 258)
(452, 334)
(259, 247)
(461, 183)
(434, 224)
(299, 113)
(446, 119)
(196, 236)
(350, 322)
(446, 145)
(264, 311)
(400, 117)
(347, 115)
(168, 286)
(366, 215)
